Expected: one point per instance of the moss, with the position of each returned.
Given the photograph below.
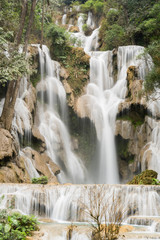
(135, 114)
(147, 177)
(122, 149)
(40, 180)
(77, 65)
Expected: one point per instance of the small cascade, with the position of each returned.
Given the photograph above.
(100, 103)
(80, 22)
(29, 165)
(150, 158)
(89, 43)
(53, 120)
(64, 203)
(64, 19)
(90, 21)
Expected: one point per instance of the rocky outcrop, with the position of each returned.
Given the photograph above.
(38, 141)
(43, 164)
(7, 145)
(76, 76)
(135, 126)
(74, 29)
(30, 99)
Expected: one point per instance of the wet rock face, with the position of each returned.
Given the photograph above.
(43, 164)
(7, 146)
(131, 127)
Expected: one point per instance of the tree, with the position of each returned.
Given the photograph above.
(105, 215)
(22, 22)
(15, 63)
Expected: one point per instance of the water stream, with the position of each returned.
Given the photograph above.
(52, 110)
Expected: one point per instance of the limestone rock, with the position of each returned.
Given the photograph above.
(43, 164)
(36, 133)
(64, 73)
(125, 129)
(11, 173)
(67, 87)
(38, 140)
(74, 29)
(30, 98)
(7, 148)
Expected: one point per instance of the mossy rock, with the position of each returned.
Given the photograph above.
(147, 177)
(40, 180)
(77, 65)
(149, 173)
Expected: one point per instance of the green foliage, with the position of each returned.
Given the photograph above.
(85, 27)
(112, 16)
(40, 180)
(15, 226)
(58, 40)
(147, 177)
(96, 6)
(152, 80)
(13, 63)
(138, 21)
(115, 37)
(77, 65)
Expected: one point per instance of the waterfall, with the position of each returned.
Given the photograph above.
(100, 103)
(53, 120)
(64, 19)
(89, 43)
(80, 22)
(64, 203)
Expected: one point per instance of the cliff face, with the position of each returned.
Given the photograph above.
(136, 125)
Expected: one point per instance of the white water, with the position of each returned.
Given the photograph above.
(90, 22)
(53, 115)
(100, 103)
(89, 43)
(64, 19)
(64, 203)
(151, 155)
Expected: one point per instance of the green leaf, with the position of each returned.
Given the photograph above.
(7, 228)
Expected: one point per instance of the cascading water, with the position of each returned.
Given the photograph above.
(100, 103)
(64, 203)
(89, 43)
(64, 19)
(53, 116)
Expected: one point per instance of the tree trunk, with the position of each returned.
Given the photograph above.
(10, 100)
(31, 16)
(22, 22)
(42, 26)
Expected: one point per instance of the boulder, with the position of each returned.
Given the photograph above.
(7, 146)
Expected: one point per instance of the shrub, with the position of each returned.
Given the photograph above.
(16, 226)
(114, 37)
(40, 180)
(112, 16)
(58, 39)
(152, 80)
